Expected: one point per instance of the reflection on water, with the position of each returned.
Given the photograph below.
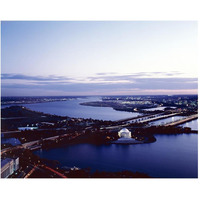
(73, 108)
(169, 156)
(12, 141)
(167, 120)
(158, 108)
(192, 124)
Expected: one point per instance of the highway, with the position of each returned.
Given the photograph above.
(54, 171)
(29, 144)
(30, 173)
(34, 170)
(8, 132)
(140, 119)
(11, 149)
(49, 172)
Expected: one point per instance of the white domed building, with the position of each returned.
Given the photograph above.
(125, 137)
(124, 133)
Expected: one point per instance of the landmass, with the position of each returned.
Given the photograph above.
(143, 103)
(37, 130)
(32, 100)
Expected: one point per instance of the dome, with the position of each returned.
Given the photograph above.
(124, 133)
(124, 130)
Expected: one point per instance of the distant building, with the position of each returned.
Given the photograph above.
(9, 166)
(47, 123)
(26, 128)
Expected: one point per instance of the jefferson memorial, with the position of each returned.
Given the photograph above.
(124, 133)
(125, 137)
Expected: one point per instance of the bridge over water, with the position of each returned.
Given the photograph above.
(141, 119)
(184, 120)
(132, 118)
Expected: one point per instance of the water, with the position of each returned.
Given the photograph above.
(157, 108)
(192, 124)
(173, 156)
(153, 109)
(12, 141)
(166, 120)
(72, 108)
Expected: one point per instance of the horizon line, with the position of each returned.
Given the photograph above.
(102, 95)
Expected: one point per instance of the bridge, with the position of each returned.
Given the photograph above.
(9, 132)
(132, 118)
(158, 118)
(31, 144)
(141, 119)
(184, 120)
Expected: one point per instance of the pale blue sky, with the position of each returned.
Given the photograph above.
(72, 58)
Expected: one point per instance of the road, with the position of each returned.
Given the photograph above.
(32, 170)
(141, 119)
(54, 171)
(48, 171)
(29, 144)
(8, 132)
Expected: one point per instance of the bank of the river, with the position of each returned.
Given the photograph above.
(72, 108)
(172, 156)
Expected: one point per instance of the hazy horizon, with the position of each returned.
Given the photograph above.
(107, 95)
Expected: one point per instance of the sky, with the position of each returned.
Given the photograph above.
(53, 58)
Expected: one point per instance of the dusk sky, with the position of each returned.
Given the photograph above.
(98, 58)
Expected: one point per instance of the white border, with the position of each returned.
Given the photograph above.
(104, 188)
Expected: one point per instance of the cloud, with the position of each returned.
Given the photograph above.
(34, 78)
(115, 84)
(104, 77)
(109, 77)
(106, 73)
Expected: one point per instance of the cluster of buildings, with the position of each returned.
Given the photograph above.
(9, 166)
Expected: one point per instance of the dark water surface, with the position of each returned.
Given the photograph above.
(12, 141)
(72, 108)
(172, 156)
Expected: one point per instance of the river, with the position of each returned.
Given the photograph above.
(171, 156)
(72, 108)
(166, 120)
